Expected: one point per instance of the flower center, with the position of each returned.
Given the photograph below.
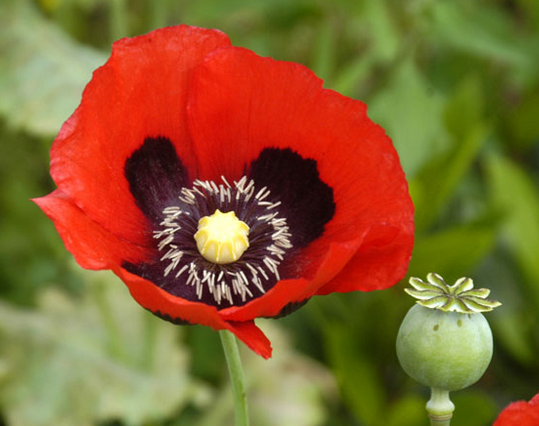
(222, 259)
(222, 238)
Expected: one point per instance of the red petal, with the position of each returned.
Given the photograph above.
(240, 103)
(139, 92)
(381, 261)
(153, 298)
(92, 246)
(252, 336)
(520, 413)
(296, 290)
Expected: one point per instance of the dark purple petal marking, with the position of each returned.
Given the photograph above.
(155, 175)
(173, 320)
(290, 309)
(307, 202)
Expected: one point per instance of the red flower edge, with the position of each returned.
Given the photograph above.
(180, 105)
(520, 413)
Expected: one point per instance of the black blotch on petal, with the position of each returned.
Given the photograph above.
(307, 202)
(155, 175)
(154, 271)
(290, 308)
(167, 317)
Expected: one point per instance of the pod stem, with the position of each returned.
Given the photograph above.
(440, 408)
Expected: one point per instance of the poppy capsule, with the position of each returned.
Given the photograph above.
(444, 341)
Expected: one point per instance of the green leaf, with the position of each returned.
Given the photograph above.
(76, 362)
(435, 184)
(522, 121)
(31, 255)
(324, 55)
(411, 111)
(42, 71)
(352, 76)
(464, 110)
(473, 408)
(530, 10)
(408, 411)
(472, 28)
(454, 250)
(377, 43)
(381, 29)
(512, 330)
(514, 325)
(515, 193)
(357, 375)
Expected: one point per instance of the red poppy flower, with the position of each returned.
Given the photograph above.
(178, 124)
(520, 413)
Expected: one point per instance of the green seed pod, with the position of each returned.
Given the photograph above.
(444, 350)
(444, 341)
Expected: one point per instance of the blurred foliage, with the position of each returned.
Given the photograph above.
(454, 83)
(98, 357)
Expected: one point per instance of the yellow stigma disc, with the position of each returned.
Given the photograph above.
(222, 237)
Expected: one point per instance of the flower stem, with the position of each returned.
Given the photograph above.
(440, 408)
(235, 370)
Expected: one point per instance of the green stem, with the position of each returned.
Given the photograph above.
(235, 370)
(440, 408)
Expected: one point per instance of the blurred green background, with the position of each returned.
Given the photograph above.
(455, 84)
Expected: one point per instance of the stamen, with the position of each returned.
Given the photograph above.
(225, 181)
(263, 273)
(260, 195)
(182, 270)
